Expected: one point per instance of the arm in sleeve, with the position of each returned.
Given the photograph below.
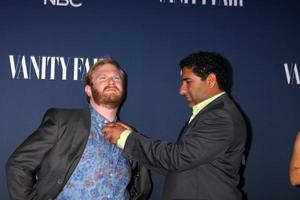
(121, 143)
(203, 142)
(24, 163)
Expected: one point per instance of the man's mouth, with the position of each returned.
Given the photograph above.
(111, 89)
(188, 98)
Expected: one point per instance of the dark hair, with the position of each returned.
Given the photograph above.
(205, 63)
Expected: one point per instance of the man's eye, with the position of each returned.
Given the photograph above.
(117, 78)
(101, 78)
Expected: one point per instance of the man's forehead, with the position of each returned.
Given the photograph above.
(107, 68)
(186, 72)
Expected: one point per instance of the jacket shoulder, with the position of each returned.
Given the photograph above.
(65, 113)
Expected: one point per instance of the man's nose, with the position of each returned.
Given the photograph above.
(111, 80)
(182, 90)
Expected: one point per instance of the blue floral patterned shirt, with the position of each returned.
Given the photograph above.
(102, 172)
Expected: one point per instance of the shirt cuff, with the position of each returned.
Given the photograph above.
(123, 137)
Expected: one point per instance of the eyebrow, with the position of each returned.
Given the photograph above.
(104, 74)
(186, 79)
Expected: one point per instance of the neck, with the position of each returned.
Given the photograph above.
(214, 92)
(106, 111)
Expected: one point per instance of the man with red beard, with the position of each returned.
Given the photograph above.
(67, 157)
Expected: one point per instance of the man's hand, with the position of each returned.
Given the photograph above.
(112, 131)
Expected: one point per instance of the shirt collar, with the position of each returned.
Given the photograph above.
(198, 107)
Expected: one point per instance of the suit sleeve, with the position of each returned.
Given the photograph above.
(23, 164)
(206, 137)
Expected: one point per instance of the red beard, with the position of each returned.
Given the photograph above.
(111, 96)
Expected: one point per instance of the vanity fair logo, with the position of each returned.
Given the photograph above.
(49, 67)
(229, 3)
(292, 74)
(72, 3)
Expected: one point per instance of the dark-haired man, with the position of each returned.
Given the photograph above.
(204, 162)
(67, 157)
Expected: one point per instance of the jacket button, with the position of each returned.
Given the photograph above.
(59, 181)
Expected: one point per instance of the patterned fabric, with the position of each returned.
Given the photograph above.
(102, 173)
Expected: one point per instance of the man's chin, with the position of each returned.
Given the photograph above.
(190, 104)
(112, 100)
(109, 103)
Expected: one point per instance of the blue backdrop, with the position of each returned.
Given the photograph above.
(46, 46)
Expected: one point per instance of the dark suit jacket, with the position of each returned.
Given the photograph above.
(204, 162)
(43, 163)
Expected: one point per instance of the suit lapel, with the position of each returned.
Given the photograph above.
(82, 130)
(182, 131)
(207, 108)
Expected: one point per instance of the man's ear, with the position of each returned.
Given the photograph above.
(211, 80)
(88, 90)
